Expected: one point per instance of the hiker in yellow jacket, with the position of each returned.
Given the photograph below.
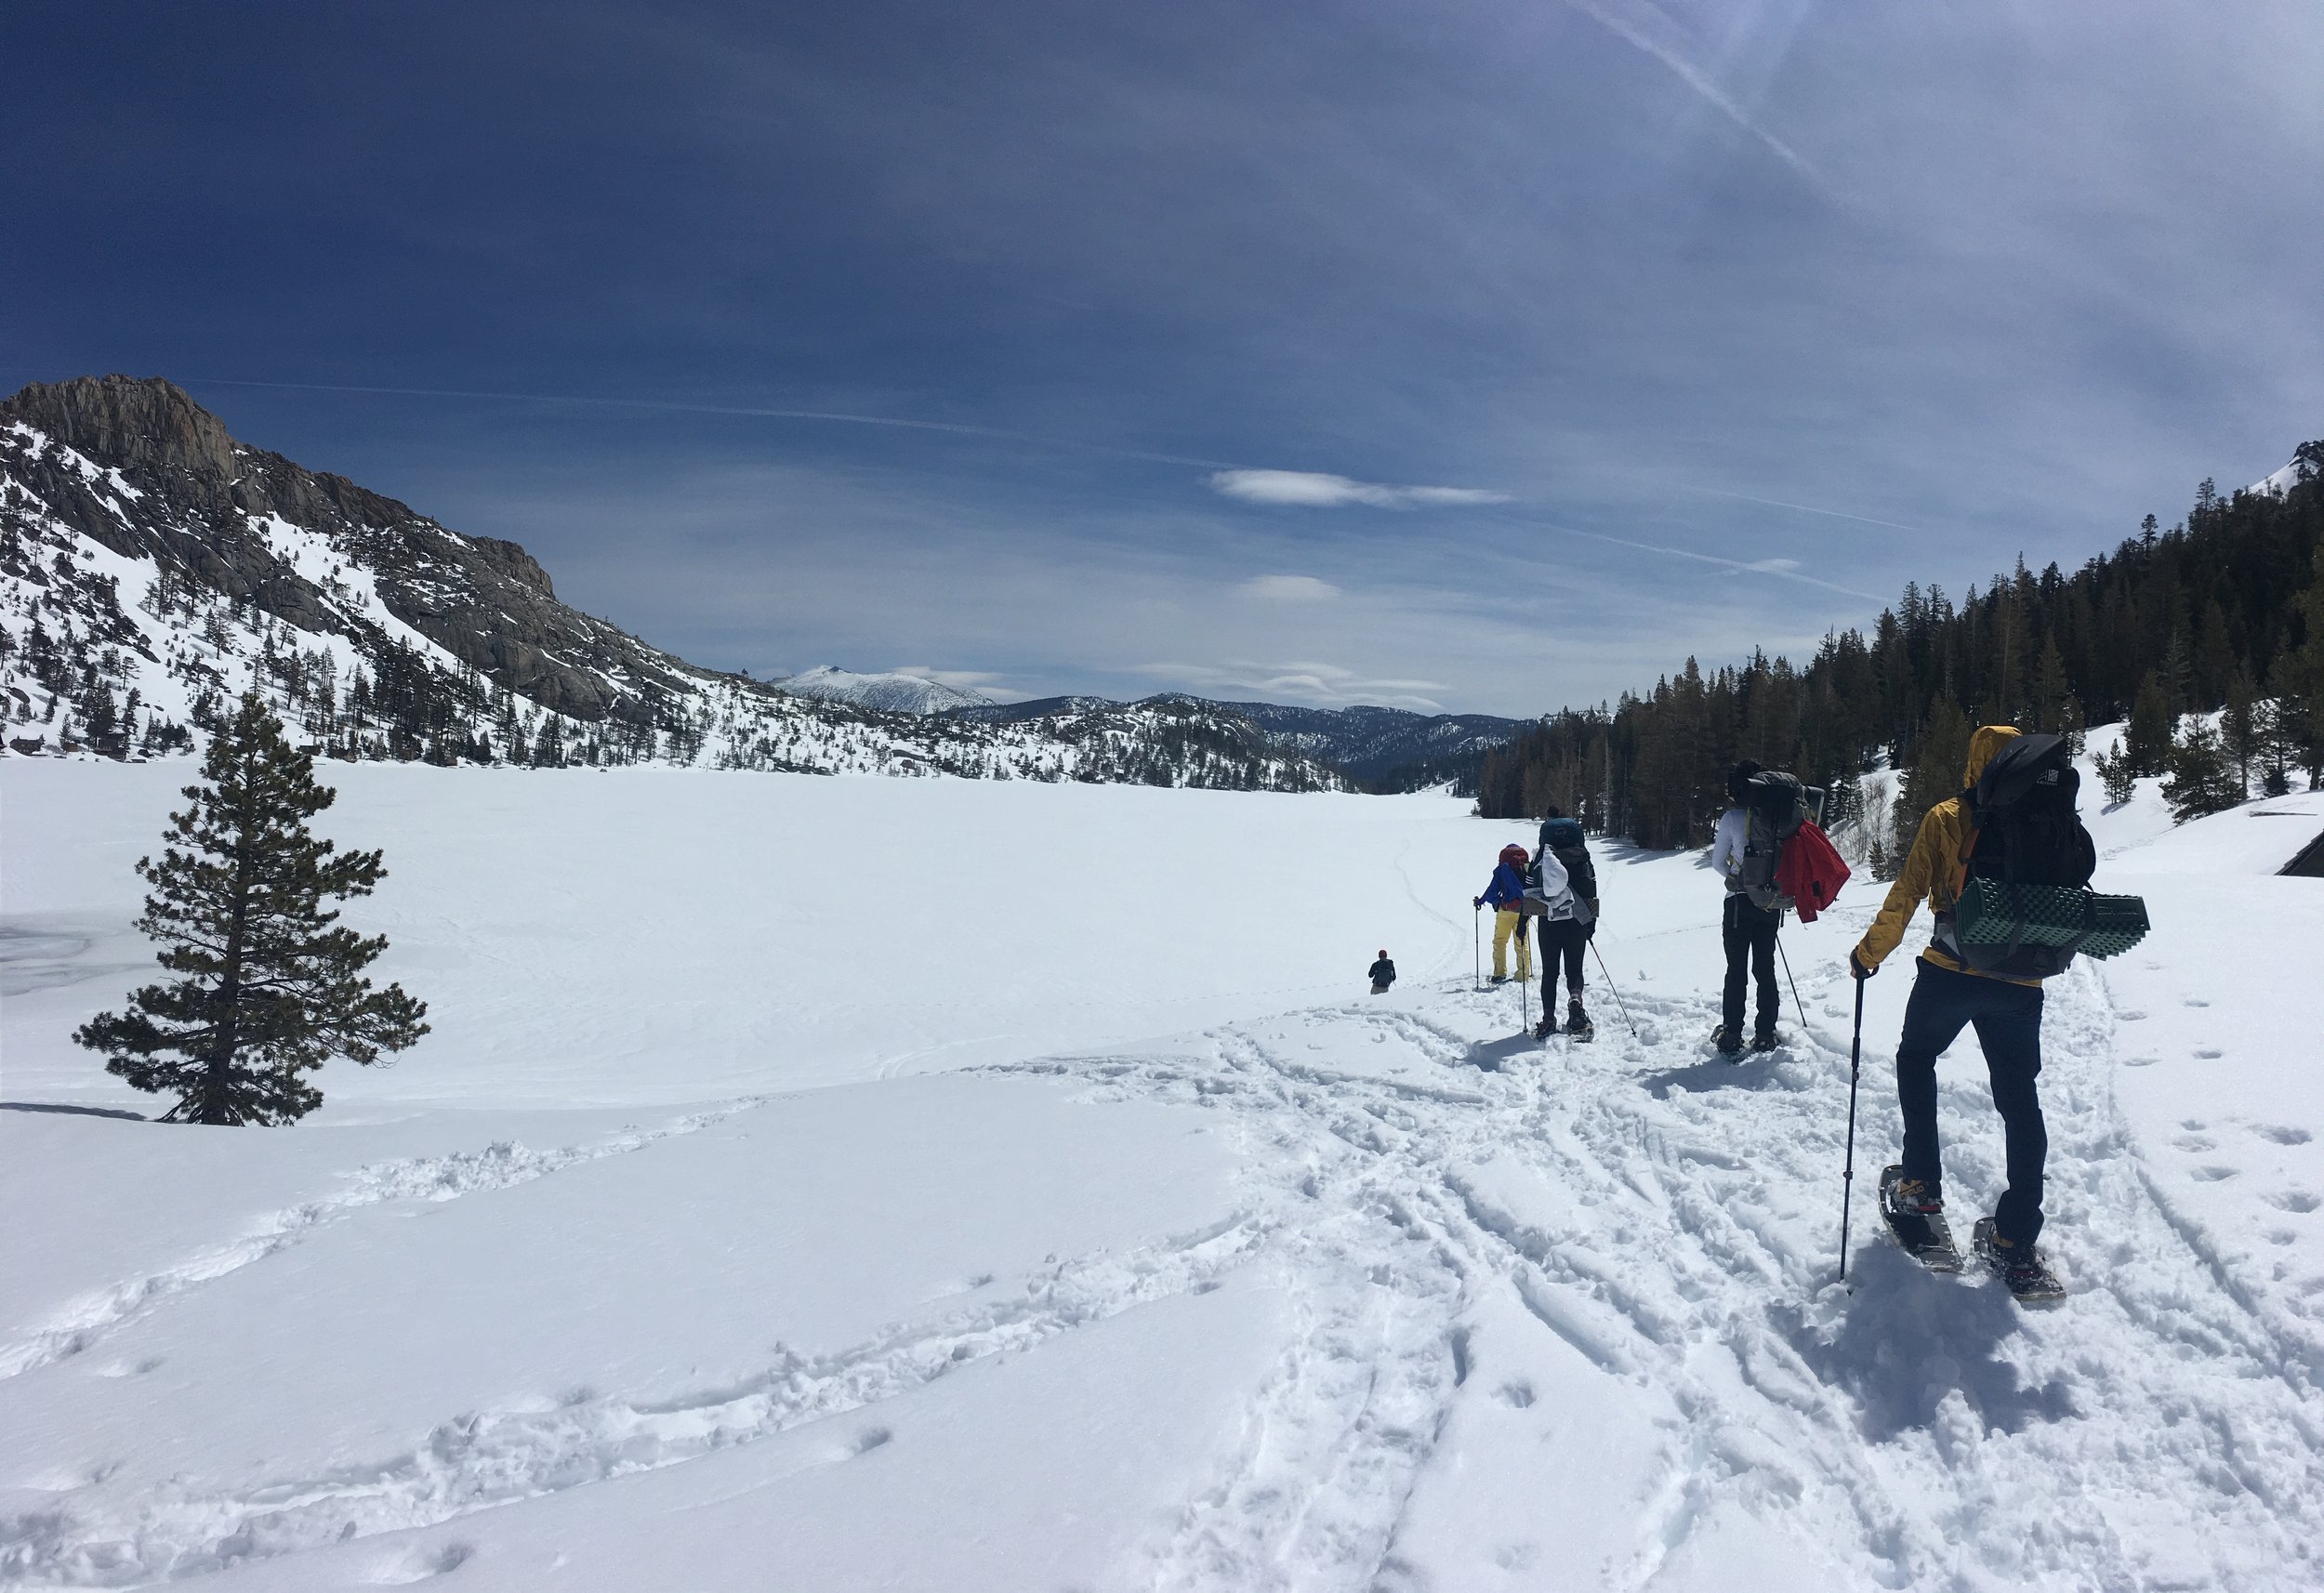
(1949, 995)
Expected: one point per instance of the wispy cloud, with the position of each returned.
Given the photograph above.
(1326, 684)
(1288, 589)
(1311, 489)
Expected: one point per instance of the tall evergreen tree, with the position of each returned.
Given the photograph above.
(2147, 743)
(273, 988)
(1941, 759)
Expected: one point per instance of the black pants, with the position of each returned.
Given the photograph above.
(1748, 932)
(1561, 940)
(2008, 1019)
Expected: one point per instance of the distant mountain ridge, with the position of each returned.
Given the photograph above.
(1381, 748)
(890, 692)
(153, 569)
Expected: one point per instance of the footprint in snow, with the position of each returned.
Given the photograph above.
(2213, 1174)
(2210, 1053)
(2294, 1200)
(2281, 1134)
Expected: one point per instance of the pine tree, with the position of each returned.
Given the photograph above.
(2147, 743)
(2239, 724)
(273, 989)
(2115, 773)
(1937, 766)
(2199, 780)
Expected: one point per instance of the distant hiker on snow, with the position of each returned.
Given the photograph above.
(1384, 973)
(1752, 916)
(1565, 886)
(2014, 822)
(1506, 893)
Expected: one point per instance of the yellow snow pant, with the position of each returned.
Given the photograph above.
(1506, 923)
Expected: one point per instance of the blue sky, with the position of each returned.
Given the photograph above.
(1485, 356)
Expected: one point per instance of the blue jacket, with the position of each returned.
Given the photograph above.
(1506, 890)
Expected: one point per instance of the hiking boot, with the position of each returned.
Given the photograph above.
(1730, 1045)
(1544, 1029)
(2019, 1266)
(1916, 1197)
(1764, 1040)
(1497, 978)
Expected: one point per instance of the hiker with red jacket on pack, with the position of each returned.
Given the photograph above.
(1506, 893)
(2041, 840)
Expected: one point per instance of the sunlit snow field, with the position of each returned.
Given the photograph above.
(852, 1183)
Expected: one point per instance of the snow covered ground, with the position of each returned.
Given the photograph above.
(850, 1183)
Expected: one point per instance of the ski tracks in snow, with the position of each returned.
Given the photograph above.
(1675, 1218)
(1412, 1170)
(502, 1165)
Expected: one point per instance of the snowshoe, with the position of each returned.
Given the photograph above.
(1915, 1215)
(2020, 1266)
(1543, 1030)
(1764, 1042)
(1497, 978)
(1728, 1046)
(1577, 1022)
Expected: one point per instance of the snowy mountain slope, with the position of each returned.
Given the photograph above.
(2305, 466)
(750, 1241)
(888, 693)
(151, 568)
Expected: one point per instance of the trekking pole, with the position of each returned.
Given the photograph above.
(1796, 1006)
(1476, 948)
(1848, 1173)
(1618, 1004)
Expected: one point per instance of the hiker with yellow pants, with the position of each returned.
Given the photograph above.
(1507, 895)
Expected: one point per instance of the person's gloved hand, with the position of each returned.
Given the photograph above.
(1857, 969)
(1477, 902)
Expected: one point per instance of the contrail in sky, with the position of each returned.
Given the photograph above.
(1686, 72)
(1779, 568)
(836, 417)
(1810, 508)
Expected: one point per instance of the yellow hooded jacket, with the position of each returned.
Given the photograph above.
(1937, 866)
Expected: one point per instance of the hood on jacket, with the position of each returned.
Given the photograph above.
(1983, 741)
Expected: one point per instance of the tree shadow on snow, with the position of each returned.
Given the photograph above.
(1910, 1337)
(1489, 1055)
(76, 1111)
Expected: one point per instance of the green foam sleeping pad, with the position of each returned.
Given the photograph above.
(2054, 915)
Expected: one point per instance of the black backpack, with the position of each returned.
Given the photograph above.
(2024, 830)
(1775, 808)
(1564, 839)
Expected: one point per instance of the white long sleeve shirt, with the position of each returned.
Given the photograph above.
(1727, 844)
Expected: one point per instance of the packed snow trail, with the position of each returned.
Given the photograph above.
(1675, 1218)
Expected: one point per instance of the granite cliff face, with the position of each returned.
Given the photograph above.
(152, 567)
(202, 504)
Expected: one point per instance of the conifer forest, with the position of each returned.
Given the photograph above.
(2221, 614)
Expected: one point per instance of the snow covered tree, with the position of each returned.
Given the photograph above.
(273, 988)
